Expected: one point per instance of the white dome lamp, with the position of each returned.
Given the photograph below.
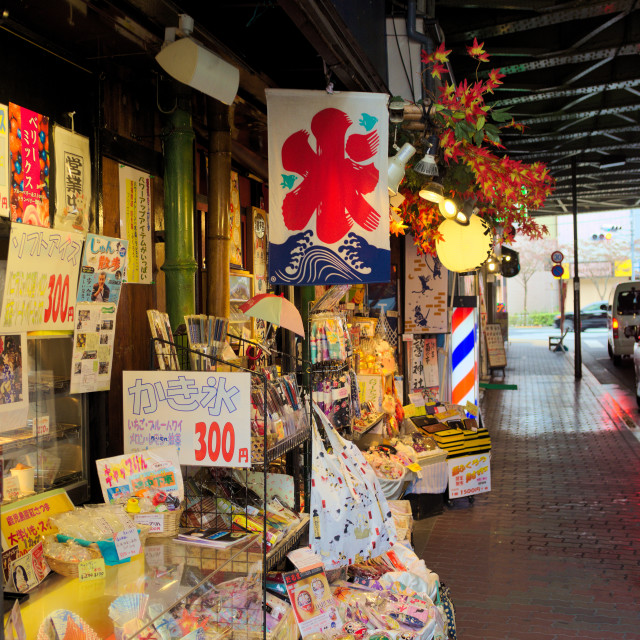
(464, 247)
(395, 172)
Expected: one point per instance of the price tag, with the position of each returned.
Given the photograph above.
(343, 392)
(91, 569)
(421, 411)
(415, 467)
(471, 408)
(409, 411)
(154, 520)
(417, 399)
(41, 426)
(127, 543)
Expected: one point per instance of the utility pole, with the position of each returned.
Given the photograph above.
(577, 324)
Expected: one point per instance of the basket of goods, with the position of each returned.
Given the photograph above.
(160, 511)
(93, 527)
(148, 486)
(389, 469)
(65, 557)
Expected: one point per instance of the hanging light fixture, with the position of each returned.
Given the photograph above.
(449, 207)
(395, 172)
(464, 213)
(432, 191)
(428, 165)
(463, 248)
(191, 63)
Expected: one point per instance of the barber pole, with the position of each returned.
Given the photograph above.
(464, 362)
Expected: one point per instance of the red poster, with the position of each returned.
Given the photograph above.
(29, 164)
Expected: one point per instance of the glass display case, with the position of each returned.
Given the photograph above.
(43, 440)
(167, 591)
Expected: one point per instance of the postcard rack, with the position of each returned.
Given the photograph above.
(215, 497)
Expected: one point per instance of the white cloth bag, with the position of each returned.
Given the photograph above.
(350, 517)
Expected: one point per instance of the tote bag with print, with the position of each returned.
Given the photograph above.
(350, 517)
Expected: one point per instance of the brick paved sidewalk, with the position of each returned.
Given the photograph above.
(553, 551)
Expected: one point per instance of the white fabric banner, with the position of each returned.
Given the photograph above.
(73, 180)
(425, 307)
(328, 196)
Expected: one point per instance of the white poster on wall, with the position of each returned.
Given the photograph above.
(205, 414)
(135, 223)
(73, 180)
(93, 340)
(426, 280)
(41, 279)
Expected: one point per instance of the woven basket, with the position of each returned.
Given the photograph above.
(170, 524)
(70, 569)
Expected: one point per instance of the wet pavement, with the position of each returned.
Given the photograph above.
(553, 551)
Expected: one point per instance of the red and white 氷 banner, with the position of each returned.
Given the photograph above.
(328, 196)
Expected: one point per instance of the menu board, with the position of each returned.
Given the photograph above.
(495, 346)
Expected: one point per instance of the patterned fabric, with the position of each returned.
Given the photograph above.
(328, 196)
(445, 604)
(350, 517)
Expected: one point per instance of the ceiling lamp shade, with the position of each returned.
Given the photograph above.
(432, 191)
(191, 63)
(395, 172)
(464, 248)
(464, 213)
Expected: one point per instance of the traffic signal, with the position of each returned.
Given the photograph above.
(510, 262)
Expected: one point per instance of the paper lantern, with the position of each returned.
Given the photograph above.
(464, 248)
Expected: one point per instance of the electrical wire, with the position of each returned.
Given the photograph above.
(406, 73)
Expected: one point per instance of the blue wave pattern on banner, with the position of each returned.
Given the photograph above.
(300, 261)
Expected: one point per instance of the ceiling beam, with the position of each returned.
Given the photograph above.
(558, 115)
(601, 174)
(573, 58)
(593, 10)
(524, 140)
(564, 93)
(572, 152)
(324, 28)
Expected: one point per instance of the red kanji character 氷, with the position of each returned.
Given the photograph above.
(333, 180)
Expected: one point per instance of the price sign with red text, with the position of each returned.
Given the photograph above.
(205, 414)
(469, 475)
(41, 279)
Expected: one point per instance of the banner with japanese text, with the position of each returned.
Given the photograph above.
(205, 414)
(135, 223)
(469, 475)
(14, 387)
(41, 279)
(73, 180)
(328, 199)
(104, 269)
(29, 166)
(4, 161)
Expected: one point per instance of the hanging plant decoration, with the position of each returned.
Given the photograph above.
(468, 129)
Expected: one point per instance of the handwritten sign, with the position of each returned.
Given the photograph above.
(91, 570)
(41, 279)
(73, 180)
(135, 222)
(153, 470)
(206, 415)
(26, 521)
(370, 389)
(469, 475)
(154, 520)
(127, 543)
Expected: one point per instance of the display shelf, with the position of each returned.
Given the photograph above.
(25, 437)
(368, 426)
(280, 448)
(290, 542)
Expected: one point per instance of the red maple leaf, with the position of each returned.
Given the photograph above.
(477, 51)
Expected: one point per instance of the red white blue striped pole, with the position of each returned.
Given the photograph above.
(464, 362)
